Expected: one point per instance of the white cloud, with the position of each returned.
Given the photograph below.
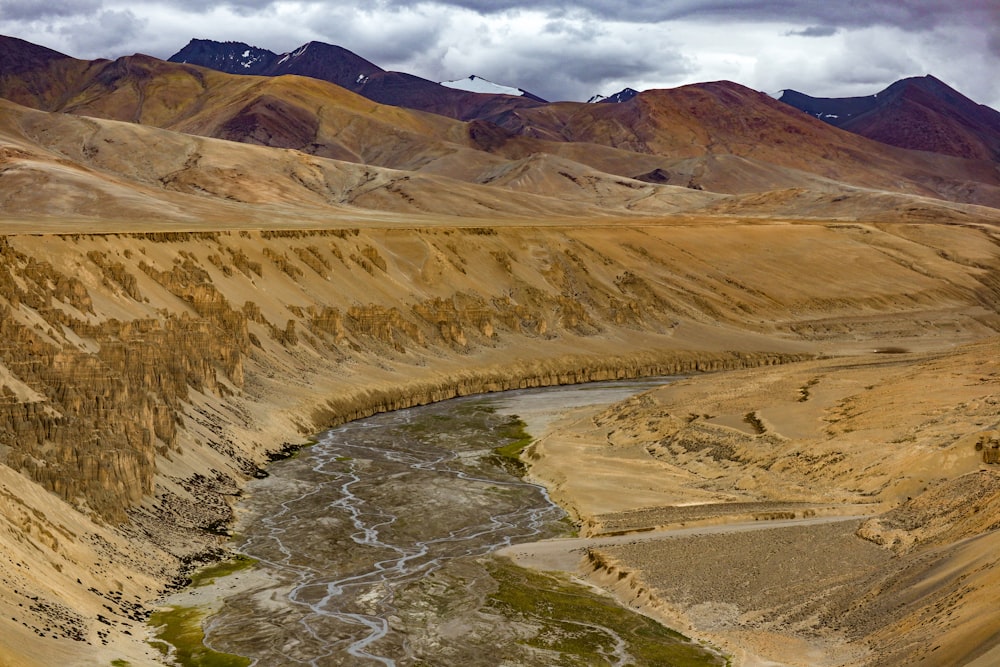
(108, 28)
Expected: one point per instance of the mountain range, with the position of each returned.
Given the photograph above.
(352, 72)
(704, 147)
(920, 113)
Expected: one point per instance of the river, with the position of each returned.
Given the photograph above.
(373, 548)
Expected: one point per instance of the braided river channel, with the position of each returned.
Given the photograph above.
(374, 545)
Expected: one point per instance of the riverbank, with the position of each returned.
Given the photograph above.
(796, 585)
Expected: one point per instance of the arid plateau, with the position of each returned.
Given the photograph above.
(185, 291)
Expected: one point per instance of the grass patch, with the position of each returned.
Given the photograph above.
(480, 425)
(515, 431)
(120, 663)
(569, 618)
(180, 628)
(207, 575)
(508, 456)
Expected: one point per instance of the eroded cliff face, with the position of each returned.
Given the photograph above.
(144, 377)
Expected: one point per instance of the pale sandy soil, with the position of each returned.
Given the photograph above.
(861, 435)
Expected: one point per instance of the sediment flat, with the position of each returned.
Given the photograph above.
(767, 570)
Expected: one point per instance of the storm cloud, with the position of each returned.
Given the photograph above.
(562, 50)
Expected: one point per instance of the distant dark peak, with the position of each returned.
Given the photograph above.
(840, 110)
(926, 82)
(621, 96)
(920, 113)
(229, 57)
(314, 59)
(929, 85)
(17, 55)
(325, 61)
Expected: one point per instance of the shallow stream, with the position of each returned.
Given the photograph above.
(374, 549)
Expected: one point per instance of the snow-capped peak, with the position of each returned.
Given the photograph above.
(594, 99)
(477, 84)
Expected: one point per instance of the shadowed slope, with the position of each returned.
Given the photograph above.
(921, 113)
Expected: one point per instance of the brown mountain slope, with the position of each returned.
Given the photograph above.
(724, 118)
(928, 115)
(288, 112)
(60, 166)
(54, 165)
(294, 112)
(37, 76)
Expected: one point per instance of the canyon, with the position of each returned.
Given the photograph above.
(147, 376)
(199, 272)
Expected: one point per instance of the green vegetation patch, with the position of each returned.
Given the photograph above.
(207, 575)
(180, 627)
(514, 430)
(575, 625)
(480, 424)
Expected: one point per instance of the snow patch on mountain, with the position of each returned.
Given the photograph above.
(477, 84)
(623, 95)
(250, 58)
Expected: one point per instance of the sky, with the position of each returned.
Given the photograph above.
(569, 51)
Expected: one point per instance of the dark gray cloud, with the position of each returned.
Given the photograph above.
(32, 10)
(241, 7)
(906, 14)
(813, 31)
